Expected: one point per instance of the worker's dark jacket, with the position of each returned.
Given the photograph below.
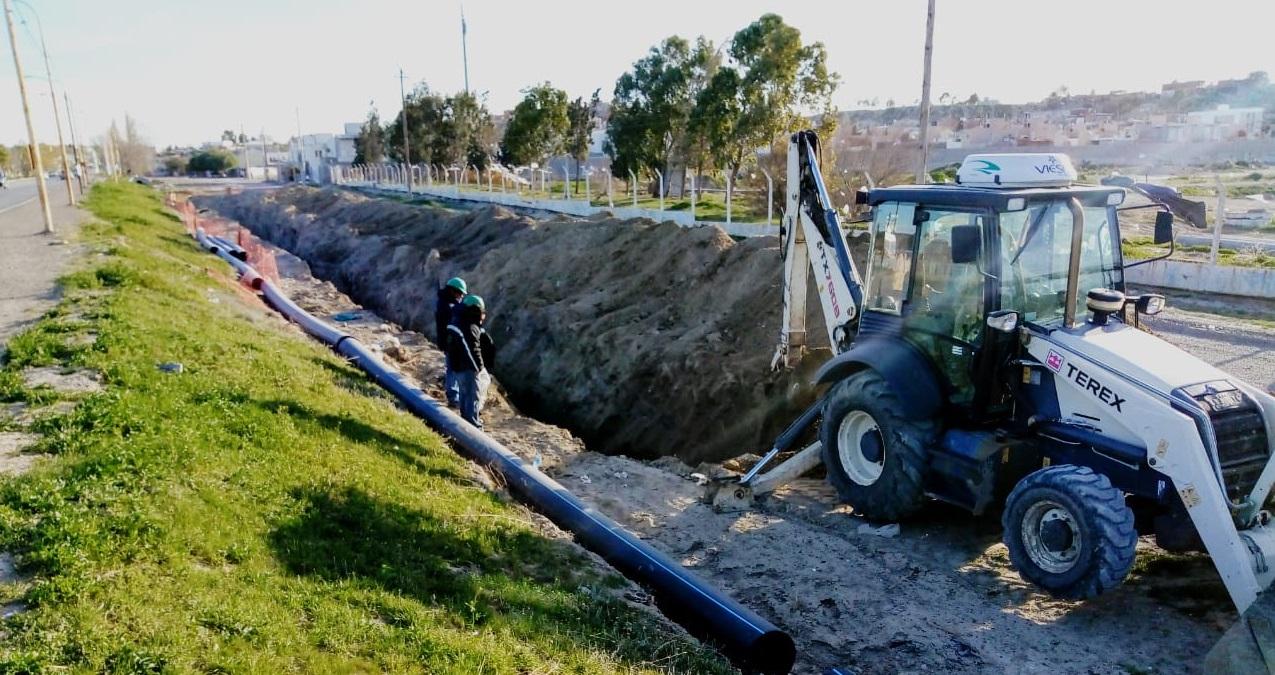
(443, 311)
(466, 332)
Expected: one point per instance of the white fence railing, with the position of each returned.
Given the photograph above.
(390, 178)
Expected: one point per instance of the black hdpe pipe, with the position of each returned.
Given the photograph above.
(752, 642)
(230, 247)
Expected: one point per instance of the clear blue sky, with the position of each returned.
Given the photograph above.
(187, 69)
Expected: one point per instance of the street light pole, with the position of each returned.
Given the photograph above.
(36, 163)
(75, 143)
(57, 116)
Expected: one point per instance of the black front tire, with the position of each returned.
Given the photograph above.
(902, 446)
(1069, 531)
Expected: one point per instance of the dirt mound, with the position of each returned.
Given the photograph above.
(645, 339)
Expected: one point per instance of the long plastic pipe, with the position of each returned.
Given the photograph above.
(752, 642)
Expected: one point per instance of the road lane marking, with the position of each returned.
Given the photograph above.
(18, 205)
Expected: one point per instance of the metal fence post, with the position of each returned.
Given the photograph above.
(770, 195)
(729, 185)
(661, 176)
(692, 179)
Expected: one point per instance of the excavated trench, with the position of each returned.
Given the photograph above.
(644, 339)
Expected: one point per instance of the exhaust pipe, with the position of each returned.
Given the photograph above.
(749, 640)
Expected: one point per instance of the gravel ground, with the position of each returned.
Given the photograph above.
(1242, 347)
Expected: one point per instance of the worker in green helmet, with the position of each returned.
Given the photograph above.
(449, 297)
(471, 352)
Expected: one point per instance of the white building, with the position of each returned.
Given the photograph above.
(345, 149)
(313, 155)
(1224, 123)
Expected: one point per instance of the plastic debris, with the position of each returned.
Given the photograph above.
(171, 367)
(889, 531)
(346, 316)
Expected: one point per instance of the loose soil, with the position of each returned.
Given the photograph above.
(939, 597)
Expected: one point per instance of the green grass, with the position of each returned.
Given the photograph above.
(266, 510)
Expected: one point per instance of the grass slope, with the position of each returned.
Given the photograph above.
(268, 510)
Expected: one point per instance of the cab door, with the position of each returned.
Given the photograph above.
(946, 309)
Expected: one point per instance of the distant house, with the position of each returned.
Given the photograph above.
(1175, 87)
(1224, 123)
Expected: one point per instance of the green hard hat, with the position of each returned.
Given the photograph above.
(458, 284)
(475, 301)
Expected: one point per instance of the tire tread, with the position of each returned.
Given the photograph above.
(909, 441)
(1105, 508)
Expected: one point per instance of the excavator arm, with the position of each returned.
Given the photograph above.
(813, 239)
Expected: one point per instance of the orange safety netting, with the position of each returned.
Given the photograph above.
(260, 256)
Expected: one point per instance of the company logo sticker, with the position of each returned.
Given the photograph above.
(988, 168)
(1051, 167)
(1054, 361)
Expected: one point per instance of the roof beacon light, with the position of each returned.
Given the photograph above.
(1017, 170)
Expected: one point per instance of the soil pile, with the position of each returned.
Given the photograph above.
(645, 339)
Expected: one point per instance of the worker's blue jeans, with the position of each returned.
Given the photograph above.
(450, 386)
(471, 397)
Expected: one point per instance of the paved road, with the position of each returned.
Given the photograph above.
(17, 192)
(31, 262)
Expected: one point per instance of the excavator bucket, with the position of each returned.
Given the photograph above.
(1249, 645)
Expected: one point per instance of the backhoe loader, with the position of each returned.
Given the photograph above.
(988, 355)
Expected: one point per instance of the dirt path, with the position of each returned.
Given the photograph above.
(940, 597)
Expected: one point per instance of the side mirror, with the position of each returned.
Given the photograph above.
(1003, 321)
(967, 244)
(1163, 227)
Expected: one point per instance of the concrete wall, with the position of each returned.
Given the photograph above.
(1252, 282)
(574, 207)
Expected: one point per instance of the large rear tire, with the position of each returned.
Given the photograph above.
(1069, 531)
(876, 456)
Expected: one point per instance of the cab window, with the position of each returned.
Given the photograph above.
(890, 264)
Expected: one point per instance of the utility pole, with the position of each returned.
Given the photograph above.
(75, 144)
(36, 163)
(1218, 220)
(265, 162)
(244, 136)
(57, 116)
(922, 176)
(407, 151)
(464, 46)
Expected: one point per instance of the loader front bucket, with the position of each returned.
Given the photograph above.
(1249, 645)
